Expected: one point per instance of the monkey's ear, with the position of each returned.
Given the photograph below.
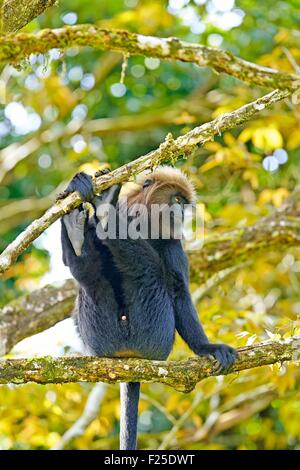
(147, 183)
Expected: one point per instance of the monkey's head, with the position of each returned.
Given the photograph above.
(163, 196)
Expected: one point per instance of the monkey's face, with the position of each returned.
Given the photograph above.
(166, 206)
(163, 197)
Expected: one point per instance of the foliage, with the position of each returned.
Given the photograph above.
(62, 99)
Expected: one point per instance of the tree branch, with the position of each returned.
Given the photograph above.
(182, 376)
(17, 47)
(179, 113)
(18, 13)
(222, 421)
(20, 211)
(35, 312)
(170, 150)
(223, 250)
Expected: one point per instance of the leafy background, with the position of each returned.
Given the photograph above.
(50, 128)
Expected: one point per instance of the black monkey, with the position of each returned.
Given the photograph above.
(134, 293)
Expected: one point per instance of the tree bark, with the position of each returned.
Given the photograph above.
(15, 48)
(170, 151)
(35, 312)
(182, 376)
(224, 250)
(18, 13)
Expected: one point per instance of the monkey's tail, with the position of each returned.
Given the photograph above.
(129, 397)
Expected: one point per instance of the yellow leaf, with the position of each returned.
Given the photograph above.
(267, 138)
(229, 139)
(293, 139)
(209, 165)
(273, 336)
(212, 146)
(246, 135)
(251, 176)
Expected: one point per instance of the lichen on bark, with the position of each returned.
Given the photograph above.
(182, 376)
(14, 48)
(35, 312)
(17, 13)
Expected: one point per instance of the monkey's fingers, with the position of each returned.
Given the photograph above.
(226, 356)
(83, 184)
(62, 195)
(102, 172)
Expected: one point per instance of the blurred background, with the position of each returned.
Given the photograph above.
(68, 111)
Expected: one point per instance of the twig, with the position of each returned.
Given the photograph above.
(214, 281)
(180, 422)
(90, 413)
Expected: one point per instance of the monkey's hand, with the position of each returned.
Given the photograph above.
(82, 183)
(225, 355)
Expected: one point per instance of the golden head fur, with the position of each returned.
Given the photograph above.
(158, 187)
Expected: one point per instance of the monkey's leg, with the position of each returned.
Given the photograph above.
(75, 223)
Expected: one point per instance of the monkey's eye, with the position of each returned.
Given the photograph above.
(147, 183)
(178, 199)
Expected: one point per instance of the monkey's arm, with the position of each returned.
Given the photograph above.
(80, 244)
(190, 329)
(187, 322)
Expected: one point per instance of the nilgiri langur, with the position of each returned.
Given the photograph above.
(134, 291)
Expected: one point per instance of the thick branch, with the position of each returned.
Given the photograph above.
(223, 250)
(170, 150)
(35, 312)
(181, 112)
(183, 375)
(17, 13)
(15, 48)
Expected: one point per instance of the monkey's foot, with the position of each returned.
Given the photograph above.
(75, 222)
(225, 355)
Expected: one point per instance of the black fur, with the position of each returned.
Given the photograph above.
(129, 396)
(145, 280)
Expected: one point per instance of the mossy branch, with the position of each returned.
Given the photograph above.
(18, 13)
(170, 150)
(14, 48)
(182, 376)
(224, 250)
(35, 312)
